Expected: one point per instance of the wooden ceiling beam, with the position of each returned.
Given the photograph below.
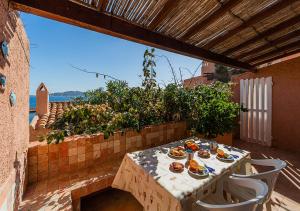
(167, 8)
(266, 12)
(99, 5)
(278, 57)
(271, 43)
(209, 19)
(290, 46)
(288, 23)
(72, 13)
(103, 5)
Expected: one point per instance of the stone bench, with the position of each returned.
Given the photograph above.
(63, 192)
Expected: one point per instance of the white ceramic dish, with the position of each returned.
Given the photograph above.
(229, 159)
(205, 173)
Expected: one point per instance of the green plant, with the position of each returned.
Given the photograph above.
(177, 102)
(208, 109)
(212, 112)
(85, 119)
(149, 72)
(222, 73)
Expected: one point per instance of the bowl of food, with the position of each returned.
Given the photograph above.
(197, 170)
(190, 144)
(176, 167)
(203, 153)
(177, 152)
(222, 156)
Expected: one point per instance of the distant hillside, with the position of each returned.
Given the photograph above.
(68, 94)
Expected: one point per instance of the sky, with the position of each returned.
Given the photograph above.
(55, 47)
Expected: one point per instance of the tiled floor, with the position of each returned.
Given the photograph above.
(286, 195)
(59, 193)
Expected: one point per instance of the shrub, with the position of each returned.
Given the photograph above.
(85, 119)
(176, 100)
(208, 109)
(212, 111)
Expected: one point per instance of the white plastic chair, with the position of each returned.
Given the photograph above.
(269, 177)
(217, 202)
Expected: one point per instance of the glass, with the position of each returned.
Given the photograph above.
(190, 154)
(213, 145)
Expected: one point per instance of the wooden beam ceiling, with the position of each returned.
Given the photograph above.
(73, 13)
(288, 47)
(266, 12)
(271, 43)
(264, 34)
(103, 5)
(278, 57)
(209, 19)
(167, 8)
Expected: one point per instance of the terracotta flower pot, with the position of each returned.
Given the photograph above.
(225, 139)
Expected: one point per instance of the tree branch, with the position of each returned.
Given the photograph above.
(172, 68)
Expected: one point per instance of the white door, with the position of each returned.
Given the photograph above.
(256, 96)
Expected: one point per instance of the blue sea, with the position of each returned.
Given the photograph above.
(32, 102)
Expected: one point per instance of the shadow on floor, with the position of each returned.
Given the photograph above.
(110, 200)
(288, 183)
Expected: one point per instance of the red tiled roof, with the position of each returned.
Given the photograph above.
(56, 111)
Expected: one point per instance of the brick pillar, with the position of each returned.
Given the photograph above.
(42, 100)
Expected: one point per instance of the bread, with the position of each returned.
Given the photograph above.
(176, 166)
(177, 151)
(203, 154)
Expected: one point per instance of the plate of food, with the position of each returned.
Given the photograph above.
(177, 152)
(225, 157)
(197, 170)
(203, 153)
(176, 167)
(190, 144)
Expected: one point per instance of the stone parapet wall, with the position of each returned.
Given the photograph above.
(79, 152)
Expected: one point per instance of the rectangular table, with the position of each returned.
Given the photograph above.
(146, 175)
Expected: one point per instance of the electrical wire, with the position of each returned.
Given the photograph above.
(96, 73)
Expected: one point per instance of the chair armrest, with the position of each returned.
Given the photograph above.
(276, 163)
(242, 175)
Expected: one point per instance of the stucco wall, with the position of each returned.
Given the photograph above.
(285, 101)
(14, 125)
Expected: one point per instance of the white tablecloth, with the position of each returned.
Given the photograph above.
(146, 175)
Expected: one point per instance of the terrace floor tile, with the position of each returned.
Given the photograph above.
(286, 193)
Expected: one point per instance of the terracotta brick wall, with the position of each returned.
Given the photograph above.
(14, 133)
(78, 152)
(196, 81)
